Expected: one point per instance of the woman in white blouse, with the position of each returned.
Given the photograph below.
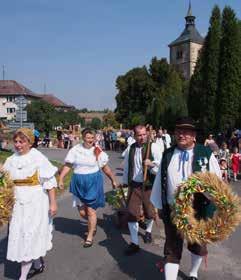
(87, 161)
(30, 229)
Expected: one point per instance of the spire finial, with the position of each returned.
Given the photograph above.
(189, 12)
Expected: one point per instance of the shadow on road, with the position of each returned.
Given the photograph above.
(70, 226)
(11, 269)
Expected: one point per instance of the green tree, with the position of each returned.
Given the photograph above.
(42, 114)
(95, 123)
(230, 71)
(109, 119)
(135, 92)
(204, 83)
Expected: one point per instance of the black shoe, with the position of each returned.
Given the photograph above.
(192, 278)
(142, 224)
(34, 271)
(132, 249)
(147, 238)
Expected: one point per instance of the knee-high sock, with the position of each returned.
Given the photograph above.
(171, 271)
(133, 228)
(149, 225)
(196, 262)
(25, 267)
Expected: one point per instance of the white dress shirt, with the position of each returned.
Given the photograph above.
(175, 176)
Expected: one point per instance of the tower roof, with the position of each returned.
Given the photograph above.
(190, 33)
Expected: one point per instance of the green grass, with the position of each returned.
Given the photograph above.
(4, 155)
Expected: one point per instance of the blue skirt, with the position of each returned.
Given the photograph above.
(89, 189)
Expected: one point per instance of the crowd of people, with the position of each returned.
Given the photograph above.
(154, 165)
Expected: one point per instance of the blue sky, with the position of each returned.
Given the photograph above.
(78, 48)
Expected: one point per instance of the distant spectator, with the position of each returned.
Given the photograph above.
(60, 139)
(235, 158)
(36, 138)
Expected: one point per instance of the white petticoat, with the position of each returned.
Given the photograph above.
(30, 231)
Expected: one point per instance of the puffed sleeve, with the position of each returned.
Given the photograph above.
(102, 159)
(70, 158)
(6, 165)
(47, 173)
(156, 194)
(157, 156)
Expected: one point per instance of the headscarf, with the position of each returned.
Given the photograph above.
(28, 133)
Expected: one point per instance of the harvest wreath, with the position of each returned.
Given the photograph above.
(226, 217)
(6, 197)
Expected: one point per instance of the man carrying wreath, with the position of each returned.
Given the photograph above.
(178, 163)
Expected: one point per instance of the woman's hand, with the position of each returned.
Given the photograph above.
(114, 184)
(53, 208)
(61, 184)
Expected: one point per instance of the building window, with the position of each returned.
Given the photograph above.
(10, 98)
(10, 110)
(179, 54)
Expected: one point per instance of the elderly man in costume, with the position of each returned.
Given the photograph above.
(137, 158)
(178, 163)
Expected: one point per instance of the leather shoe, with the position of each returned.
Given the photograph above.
(192, 278)
(142, 224)
(34, 271)
(132, 249)
(147, 238)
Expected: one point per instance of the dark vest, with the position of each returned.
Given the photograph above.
(200, 202)
(150, 177)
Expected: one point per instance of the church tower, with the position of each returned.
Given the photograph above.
(185, 49)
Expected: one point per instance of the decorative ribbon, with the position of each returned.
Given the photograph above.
(184, 156)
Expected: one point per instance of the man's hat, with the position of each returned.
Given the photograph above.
(185, 123)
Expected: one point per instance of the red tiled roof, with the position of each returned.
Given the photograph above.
(53, 100)
(10, 87)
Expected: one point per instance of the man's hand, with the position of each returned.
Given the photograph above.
(148, 163)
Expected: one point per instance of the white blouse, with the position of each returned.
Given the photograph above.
(84, 160)
(23, 166)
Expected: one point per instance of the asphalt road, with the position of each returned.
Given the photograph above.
(68, 260)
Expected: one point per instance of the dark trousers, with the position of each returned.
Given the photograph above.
(174, 245)
(139, 203)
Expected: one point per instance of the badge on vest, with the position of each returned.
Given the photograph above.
(202, 162)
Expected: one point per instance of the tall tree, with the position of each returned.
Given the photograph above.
(230, 71)
(204, 83)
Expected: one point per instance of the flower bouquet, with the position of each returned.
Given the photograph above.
(6, 197)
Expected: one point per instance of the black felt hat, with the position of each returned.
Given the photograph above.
(185, 123)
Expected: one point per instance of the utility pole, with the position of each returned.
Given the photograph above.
(44, 88)
(3, 72)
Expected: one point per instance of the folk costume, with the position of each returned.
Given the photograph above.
(139, 192)
(176, 166)
(87, 180)
(30, 229)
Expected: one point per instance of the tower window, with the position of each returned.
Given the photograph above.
(179, 54)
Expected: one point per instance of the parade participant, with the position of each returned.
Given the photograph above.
(160, 140)
(30, 229)
(178, 163)
(135, 161)
(87, 161)
(167, 138)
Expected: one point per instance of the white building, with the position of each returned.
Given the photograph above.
(9, 91)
